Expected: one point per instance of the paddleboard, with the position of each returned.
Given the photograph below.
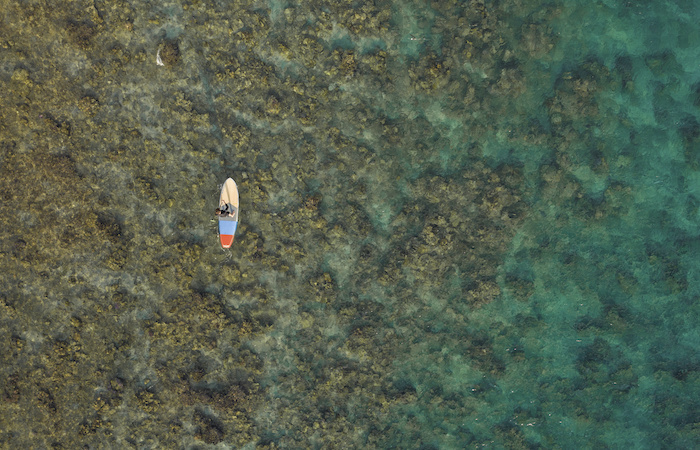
(228, 222)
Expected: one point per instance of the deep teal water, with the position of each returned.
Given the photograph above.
(608, 340)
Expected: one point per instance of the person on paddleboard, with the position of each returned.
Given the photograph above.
(224, 211)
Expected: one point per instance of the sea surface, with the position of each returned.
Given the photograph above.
(463, 224)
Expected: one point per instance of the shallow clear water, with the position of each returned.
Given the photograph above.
(462, 225)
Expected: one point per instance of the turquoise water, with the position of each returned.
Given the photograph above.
(463, 225)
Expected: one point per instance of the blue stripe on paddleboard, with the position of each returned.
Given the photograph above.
(228, 227)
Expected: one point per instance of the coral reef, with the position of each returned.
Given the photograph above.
(409, 271)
